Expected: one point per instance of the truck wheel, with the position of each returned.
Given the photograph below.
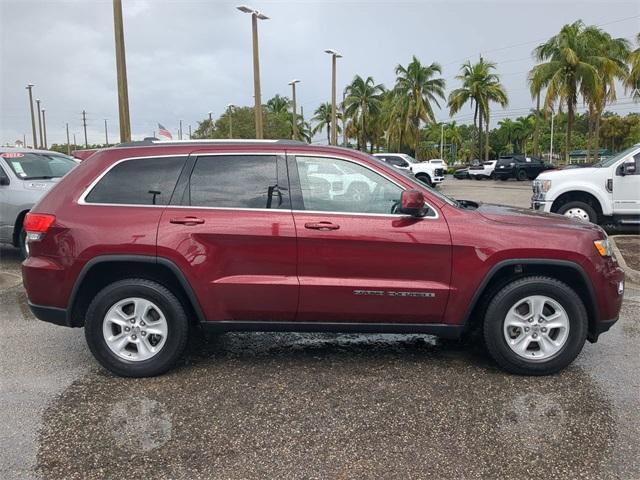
(492, 176)
(424, 178)
(535, 326)
(136, 328)
(580, 210)
(358, 192)
(521, 175)
(503, 178)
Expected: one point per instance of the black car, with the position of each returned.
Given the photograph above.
(461, 173)
(519, 167)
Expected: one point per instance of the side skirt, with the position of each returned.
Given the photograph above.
(438, 329)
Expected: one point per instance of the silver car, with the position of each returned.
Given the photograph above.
(25, 176)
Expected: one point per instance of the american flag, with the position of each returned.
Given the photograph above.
(163, 132)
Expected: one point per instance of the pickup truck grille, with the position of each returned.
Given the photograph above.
(439, 172)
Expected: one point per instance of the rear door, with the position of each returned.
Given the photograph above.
(232, 233)
(360, 261)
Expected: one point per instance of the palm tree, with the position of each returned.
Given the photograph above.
(632, 81)
(567, 69)
(278, 104)
(507, 126)
(362, 103)
(415, 90)
(480, 87)
(522, 129)
(322, 119)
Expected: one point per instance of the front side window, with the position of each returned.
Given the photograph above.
(145, 181)
(237, 181)
(352, 189)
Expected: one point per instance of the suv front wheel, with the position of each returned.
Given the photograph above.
(136, 328)
(535, 326)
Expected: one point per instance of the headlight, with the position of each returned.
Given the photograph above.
(545, 185)
(603, 247)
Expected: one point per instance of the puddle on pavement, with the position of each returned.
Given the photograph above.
(327, 406)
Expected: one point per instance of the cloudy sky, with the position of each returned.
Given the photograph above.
(187, 57)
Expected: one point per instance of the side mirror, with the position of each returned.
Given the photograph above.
(412, 203)
(628, 168)
(4, 180)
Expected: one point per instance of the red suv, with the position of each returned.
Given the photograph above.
(144, 241)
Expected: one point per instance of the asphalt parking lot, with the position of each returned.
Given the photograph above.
(267, 405)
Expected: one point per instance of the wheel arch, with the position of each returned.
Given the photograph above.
(584, 195)
(103, 270)
(506, 271)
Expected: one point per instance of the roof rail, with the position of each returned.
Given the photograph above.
(155, 141)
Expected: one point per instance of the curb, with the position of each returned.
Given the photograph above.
(632, 276)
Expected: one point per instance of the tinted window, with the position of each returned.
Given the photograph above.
(147, 181)
(356, 189)
(237, 181)
(30, 166)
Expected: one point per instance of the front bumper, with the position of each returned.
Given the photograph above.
(541, 205)
(438, 180)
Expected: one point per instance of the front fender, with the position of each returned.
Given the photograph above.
(599, 193)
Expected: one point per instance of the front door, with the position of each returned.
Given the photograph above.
(360, 261)
(231, 232)
(626, 189)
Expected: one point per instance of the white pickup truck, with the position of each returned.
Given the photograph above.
(608, 192)
(431, 174)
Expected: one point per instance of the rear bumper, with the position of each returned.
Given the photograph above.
(55, 315)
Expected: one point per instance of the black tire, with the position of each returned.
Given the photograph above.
(22, 244)
(521, 175)
(492, 176)
(508, 296)
(177, 327)
(503, 178)
(425, 178)
(586, 207)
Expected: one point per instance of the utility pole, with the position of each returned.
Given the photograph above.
(551, 149)
(180, 131)
(24, 140)
(210, 125)
(121, 70)
(334, 126)
(74, 140)
(294, 120)
(39, 123)
(106, 133)
(344, 127)
(44, 129)
(442, 141)
(84, 125)
(255, 16)
(189, 132)
(68, 144)
(33, 118)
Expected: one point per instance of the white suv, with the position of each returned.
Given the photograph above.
(607, 192)
(428, 173)
(484, 170)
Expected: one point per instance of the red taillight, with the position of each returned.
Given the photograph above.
(38, 222)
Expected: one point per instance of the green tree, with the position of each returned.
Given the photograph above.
(322, 120)
(417, 88)
(363, 101)
(480, 88)
(567, 68)
(278, 105)
(632, 81)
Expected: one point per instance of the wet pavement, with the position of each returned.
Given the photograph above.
(267, 405)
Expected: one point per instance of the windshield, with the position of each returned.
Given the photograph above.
(31, 166)
(607, 162)
(410, 176)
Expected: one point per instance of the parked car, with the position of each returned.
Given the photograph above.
(484, 170)
(519, 167)
(438, 162)
(461, 173)
(235, 236)
(25, 175)
(430, 174)
(605, 193)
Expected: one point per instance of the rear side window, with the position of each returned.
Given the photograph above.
(145, 181)
(237, 181)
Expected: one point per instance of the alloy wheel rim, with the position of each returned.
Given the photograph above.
(536, 328)
(135, 329)
(578, 213)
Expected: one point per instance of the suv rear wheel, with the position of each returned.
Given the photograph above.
(535, 326)
(136, 328)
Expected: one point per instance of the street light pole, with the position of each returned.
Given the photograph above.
(39, 123)
(334, 126)
(121, 71)
(255, 16)
(551, 149)
(442, 141)
(210, 124)
(106, 133)
(33, 118)
(294, 120)
(230, 114)
(68, 143)
(84, 125)
(44, 129)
